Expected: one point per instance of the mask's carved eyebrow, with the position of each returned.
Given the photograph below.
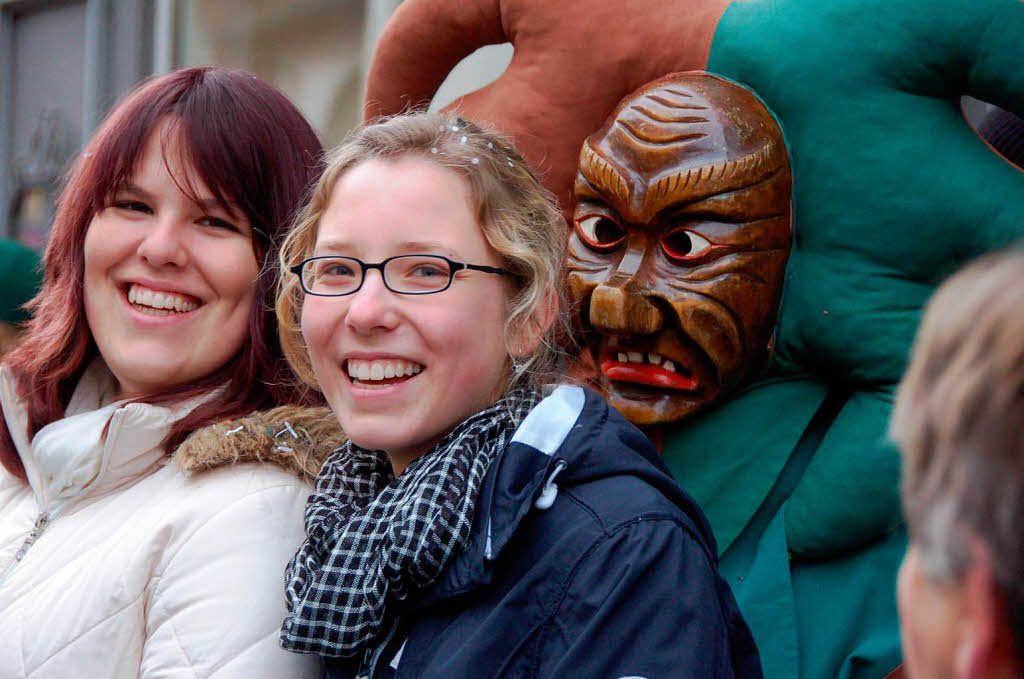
(708, 180)
(602, 175)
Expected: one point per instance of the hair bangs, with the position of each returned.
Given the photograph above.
(254, 152)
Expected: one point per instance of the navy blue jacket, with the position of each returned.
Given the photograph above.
(586, 560)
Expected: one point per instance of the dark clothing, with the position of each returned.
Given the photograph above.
(616, 578)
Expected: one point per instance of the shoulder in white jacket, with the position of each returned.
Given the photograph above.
(149, 566)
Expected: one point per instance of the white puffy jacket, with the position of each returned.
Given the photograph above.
(115, 563)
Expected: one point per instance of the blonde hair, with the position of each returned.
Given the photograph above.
(518, 217)
(959, 422)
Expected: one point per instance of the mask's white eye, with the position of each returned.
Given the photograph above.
(684, 244)
(600, 232)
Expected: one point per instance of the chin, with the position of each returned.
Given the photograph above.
(372, 438)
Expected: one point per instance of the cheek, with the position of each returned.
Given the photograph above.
(99, 249)
(233, 270)
(318, 322)
(475, 349)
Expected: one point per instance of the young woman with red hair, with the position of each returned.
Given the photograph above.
(135, 540)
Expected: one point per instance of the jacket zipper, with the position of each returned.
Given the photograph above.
(45, 518)
(380, 650)
(42, 521)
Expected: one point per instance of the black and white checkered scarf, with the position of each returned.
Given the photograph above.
(372, 539)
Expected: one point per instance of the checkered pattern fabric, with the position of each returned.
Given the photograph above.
(372, 539)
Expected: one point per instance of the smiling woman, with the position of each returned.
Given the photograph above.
(153, 325)
(471, 527)
(181, 271)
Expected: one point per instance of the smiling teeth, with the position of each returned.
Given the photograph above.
(371, 371)
(649, 358)
(167, 301)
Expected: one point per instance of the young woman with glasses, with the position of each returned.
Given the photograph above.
(471, 527)
(125, 552)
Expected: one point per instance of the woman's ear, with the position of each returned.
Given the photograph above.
(527, 337)
(986, 647)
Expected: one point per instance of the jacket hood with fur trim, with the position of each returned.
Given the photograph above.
(295, 438)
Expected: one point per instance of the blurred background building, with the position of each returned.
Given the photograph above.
(63, 63)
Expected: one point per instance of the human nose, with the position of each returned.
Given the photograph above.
(164, 244)
(621, 303)
(371, 307)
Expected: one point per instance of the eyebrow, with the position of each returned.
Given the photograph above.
(332, 245)
(132, 188)
(206, 204)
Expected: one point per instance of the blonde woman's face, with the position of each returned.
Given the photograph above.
(400, 371)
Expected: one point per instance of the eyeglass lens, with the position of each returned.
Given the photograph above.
(414, 274)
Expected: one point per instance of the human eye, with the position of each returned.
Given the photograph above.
(330, 275)
(414, 274)
(217, 223)
(333, 269)
(131, 205)
(427, 270)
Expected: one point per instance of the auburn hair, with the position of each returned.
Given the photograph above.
(252, 149)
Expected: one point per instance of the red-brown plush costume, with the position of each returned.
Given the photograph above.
(574, 60)
(892, 191)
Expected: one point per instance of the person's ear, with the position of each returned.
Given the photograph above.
(527, 337)
(985, 648)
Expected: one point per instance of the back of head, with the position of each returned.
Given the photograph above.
(255, 152)
(959, 420)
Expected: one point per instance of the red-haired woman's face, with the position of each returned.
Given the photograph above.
(169, 282)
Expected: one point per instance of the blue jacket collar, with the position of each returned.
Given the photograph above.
(575, 433)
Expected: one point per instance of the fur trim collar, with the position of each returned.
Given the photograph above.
(298, 439)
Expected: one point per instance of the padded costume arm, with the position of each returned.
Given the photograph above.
(421, 44)
(994, 74)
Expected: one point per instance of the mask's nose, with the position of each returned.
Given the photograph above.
(620, 305)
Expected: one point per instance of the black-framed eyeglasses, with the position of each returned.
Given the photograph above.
(335, 276)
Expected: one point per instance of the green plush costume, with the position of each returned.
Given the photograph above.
(20, 277)
(893, 191)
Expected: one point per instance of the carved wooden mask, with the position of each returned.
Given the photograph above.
(683, 224)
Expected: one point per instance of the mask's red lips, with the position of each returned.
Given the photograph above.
(645, 373)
